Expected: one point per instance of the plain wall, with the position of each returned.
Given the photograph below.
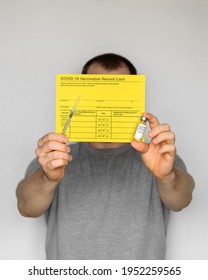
(166, 40)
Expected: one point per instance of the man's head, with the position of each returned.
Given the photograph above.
(109, 63)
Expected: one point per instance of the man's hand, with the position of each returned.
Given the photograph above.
(53, 155)
(36, 191)
(174, 184)
(159, 154)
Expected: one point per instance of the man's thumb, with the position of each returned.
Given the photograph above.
(139, 146)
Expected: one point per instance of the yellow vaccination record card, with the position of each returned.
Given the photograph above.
(99, 108)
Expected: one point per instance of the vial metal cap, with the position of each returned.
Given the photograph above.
(144, 119)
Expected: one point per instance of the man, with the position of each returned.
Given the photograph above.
(106, 200)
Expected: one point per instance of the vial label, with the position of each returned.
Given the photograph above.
(140, 131)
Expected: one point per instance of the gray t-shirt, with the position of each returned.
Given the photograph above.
(106, 207)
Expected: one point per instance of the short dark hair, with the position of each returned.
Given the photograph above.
(110, 61)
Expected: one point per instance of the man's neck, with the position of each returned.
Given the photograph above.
(105, 145)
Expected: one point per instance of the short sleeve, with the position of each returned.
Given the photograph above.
(34, 165)
(180, 163)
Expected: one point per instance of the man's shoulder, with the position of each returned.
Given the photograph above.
(34, 165)
(179, 162)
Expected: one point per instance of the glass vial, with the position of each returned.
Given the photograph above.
(139, 134)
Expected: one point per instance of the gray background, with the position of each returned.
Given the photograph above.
(166, 40)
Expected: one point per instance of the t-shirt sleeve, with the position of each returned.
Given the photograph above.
(180, 163)
(34, 165)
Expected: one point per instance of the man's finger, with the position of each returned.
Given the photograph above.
(153, 121)
(168, 137)
(52, 137)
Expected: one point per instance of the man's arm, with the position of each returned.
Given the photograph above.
(35, 193)
(176, 190)
(175, 185)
